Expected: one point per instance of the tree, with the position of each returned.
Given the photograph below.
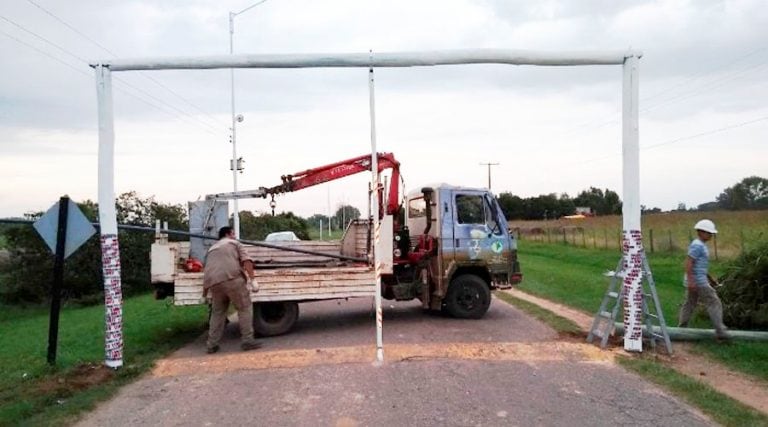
(749, 193)
(601, 202)
(709, 206)
(512, 206)
(344, 214)
(253, 227)
(29, 279)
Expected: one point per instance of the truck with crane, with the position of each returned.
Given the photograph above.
(445, 245)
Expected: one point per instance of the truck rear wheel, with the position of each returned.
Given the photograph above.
(468, 297)
(274, 318)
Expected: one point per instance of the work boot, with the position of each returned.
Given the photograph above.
(250, 345)
(211, 350)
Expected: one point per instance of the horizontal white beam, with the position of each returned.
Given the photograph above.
(384, 59)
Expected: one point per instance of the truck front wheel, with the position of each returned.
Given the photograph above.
(468, 297)
(274, 318)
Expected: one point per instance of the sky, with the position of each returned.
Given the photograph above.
(703, 92)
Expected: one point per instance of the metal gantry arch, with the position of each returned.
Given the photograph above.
(632, 237)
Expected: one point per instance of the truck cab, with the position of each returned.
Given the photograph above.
(471, 250)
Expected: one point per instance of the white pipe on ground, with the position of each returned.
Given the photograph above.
(695, 334)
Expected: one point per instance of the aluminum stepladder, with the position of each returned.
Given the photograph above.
(655, 325)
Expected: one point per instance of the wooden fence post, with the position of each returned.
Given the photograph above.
(742, 239)
(714, 242)
(650, 236)
(621, 241)
(565, 237)
(669, 233)
(605, 235)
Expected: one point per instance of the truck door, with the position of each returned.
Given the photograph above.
(473, 230)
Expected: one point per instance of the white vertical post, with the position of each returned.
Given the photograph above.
(376, 223)
(236, 218)
(632, 245)
(110, 250)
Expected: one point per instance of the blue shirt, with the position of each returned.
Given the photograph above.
(699, 253)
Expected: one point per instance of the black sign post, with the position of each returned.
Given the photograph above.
(58, 278)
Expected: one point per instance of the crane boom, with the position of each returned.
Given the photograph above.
(322, 174)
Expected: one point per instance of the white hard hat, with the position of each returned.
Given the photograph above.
(706, 225)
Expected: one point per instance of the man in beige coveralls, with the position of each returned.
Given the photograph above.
(227, 276)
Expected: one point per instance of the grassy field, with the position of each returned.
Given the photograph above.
(668, 232)
(574, 276)
(38, 394)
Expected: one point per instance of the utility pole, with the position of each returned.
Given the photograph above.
(489, 171)
(236, 164)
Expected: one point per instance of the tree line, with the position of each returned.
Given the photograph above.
(25, 276)
(750, 193)
(553, 206)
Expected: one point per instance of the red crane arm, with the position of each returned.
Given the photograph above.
(344, 168)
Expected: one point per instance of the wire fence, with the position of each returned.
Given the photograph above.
(723, 245)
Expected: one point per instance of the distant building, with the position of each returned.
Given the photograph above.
(584, 210)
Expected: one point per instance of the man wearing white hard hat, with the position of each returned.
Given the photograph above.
(698, 281)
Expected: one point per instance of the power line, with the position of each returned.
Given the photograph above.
(19, 26)
(709, 132)
(701, 73)
(711, 84)
(676, 140)
(105, 49)
(44, 53)
(68, 65)
(52, 15)
(83, 60)
(715, 83)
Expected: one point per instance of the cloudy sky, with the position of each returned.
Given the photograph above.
(703, 91)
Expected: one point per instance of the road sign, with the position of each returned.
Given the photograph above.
(79, 228)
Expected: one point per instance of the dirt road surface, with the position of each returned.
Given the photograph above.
(505, 369)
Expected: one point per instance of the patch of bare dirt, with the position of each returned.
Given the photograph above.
(726, 381)
(79, 378)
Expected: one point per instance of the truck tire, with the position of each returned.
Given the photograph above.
(468, 297)
(274, 318)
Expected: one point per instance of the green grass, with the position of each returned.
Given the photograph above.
(151, 329)
(719, 407)
(314, 234)
(558, 323)
(573, 276)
